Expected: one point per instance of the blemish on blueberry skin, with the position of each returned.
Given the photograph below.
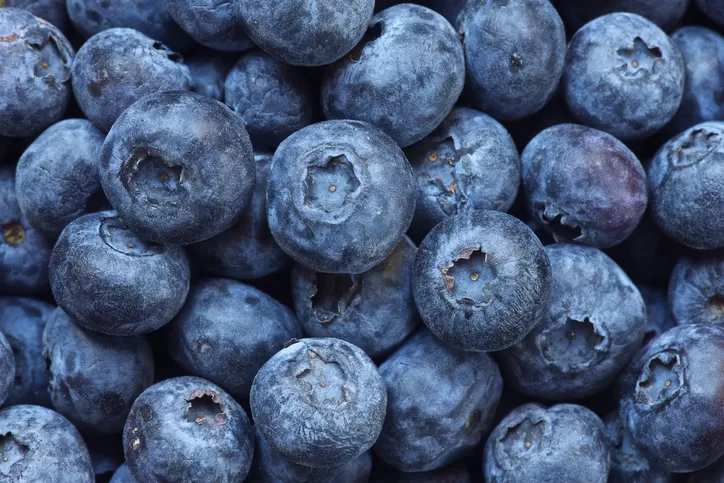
(639, 57)
(114, 233)
(522, 437)
(695, 148)
(468, 275)
(575, 345)
(329, 186)
(333, 294)
(558, 222)
(326, 380)
(147, 173)
(662, 378)
(716, 304)
(11, 451)
(205, 407)
(13, 233)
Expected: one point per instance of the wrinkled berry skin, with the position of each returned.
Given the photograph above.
(178, 167)
(373, 310)
(53, 11)
(212, 23)
(187, 429)
(671, 398)
(404, 77)
(41, 445)
(712, 9)
(119, 66)
(94, 378)
(22, 320)
(583, 185)
(514, 54)
(208, 72)
(532, 444)
(7, 368)
(664, 14)
(112, 282)
(696, 289)
(57, 176)
(340, 196)
(305, 32)
(440, 403)
(319, 402)
(686, 182)
(592, 330)
(36, 61)
(623, 75)
(659, 317)
(123, 475)
(481, 280)
(469, 162)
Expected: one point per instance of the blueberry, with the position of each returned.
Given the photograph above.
(22, 320)
(212, 23)
(123, 475)
(440, 403)
(696, 289)
(713, 9)
(686, 185)
(7, 368)
(37, 444)
(53, 11)
(623, 75)
(208, 72)
(592, 330)
(119, 66)
(36, 63)
(113, 282)
(665, 14)
(659, 318)
(57, 176)
(514, 53)
(188, 429)
(481, 280)
(340, 196)
(272, 98)
(178, 167)
(305, 32)
(583, 185)
(565, 442)
(319, 402)
(671, 398)
(403, 77)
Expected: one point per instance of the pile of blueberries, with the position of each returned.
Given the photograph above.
(347, 241)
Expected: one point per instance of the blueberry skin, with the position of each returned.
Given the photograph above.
(592, 330)
(686, 183)
(696, 289)
(178, 167)
(94, 378)
(481, 280)
(305, 32)
(623, 75)
(208, 72)
(666, 14)
(671, 398)
(119, 66)
(113, 282)
(319, 402)
(272, 98)
(440, 403)
(712, 9)
(7, 368)
(340, 196)
(565, 442)
(583, 185)
(404, 77)
(123, 475)
(212, 23)
(57, 180)
(187, 429)
(23, 250)
(53, 11)
(227, 331)
(514, 54)
(469, 162)
(22, 320)
(36, 61)
(659, 318)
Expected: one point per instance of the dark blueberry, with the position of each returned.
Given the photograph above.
(208, 72)
(319, 402)
(212, 23)
(696, 289)
(178, 167)
(305, 32)
(403, 77)
(666, 14)
(440, 403)
(123, 475)
(188, 429)
(22, 321)
(659, 318)
(117, 67)
(481, 281)
(514, 53)
(37, 444)
(113, 282)
(56, 180)
(583, 185)
(686, 182)
(592, 330)
(713, 9)
(36, 61)
(53, 11)
(671, 398)
(623, 75)
(533, 444)
(340, 196)
(7, 370)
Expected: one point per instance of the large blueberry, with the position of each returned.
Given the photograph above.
(54, 11)
(178, 167)
(623, 75)
(212, 23)
(7, 368)
(208, 72)
(481, 281)
(404, 77)
(340, 196)
(666, 14)
(319, 402)
(696, 289)
(113, 282)
(659, 317)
